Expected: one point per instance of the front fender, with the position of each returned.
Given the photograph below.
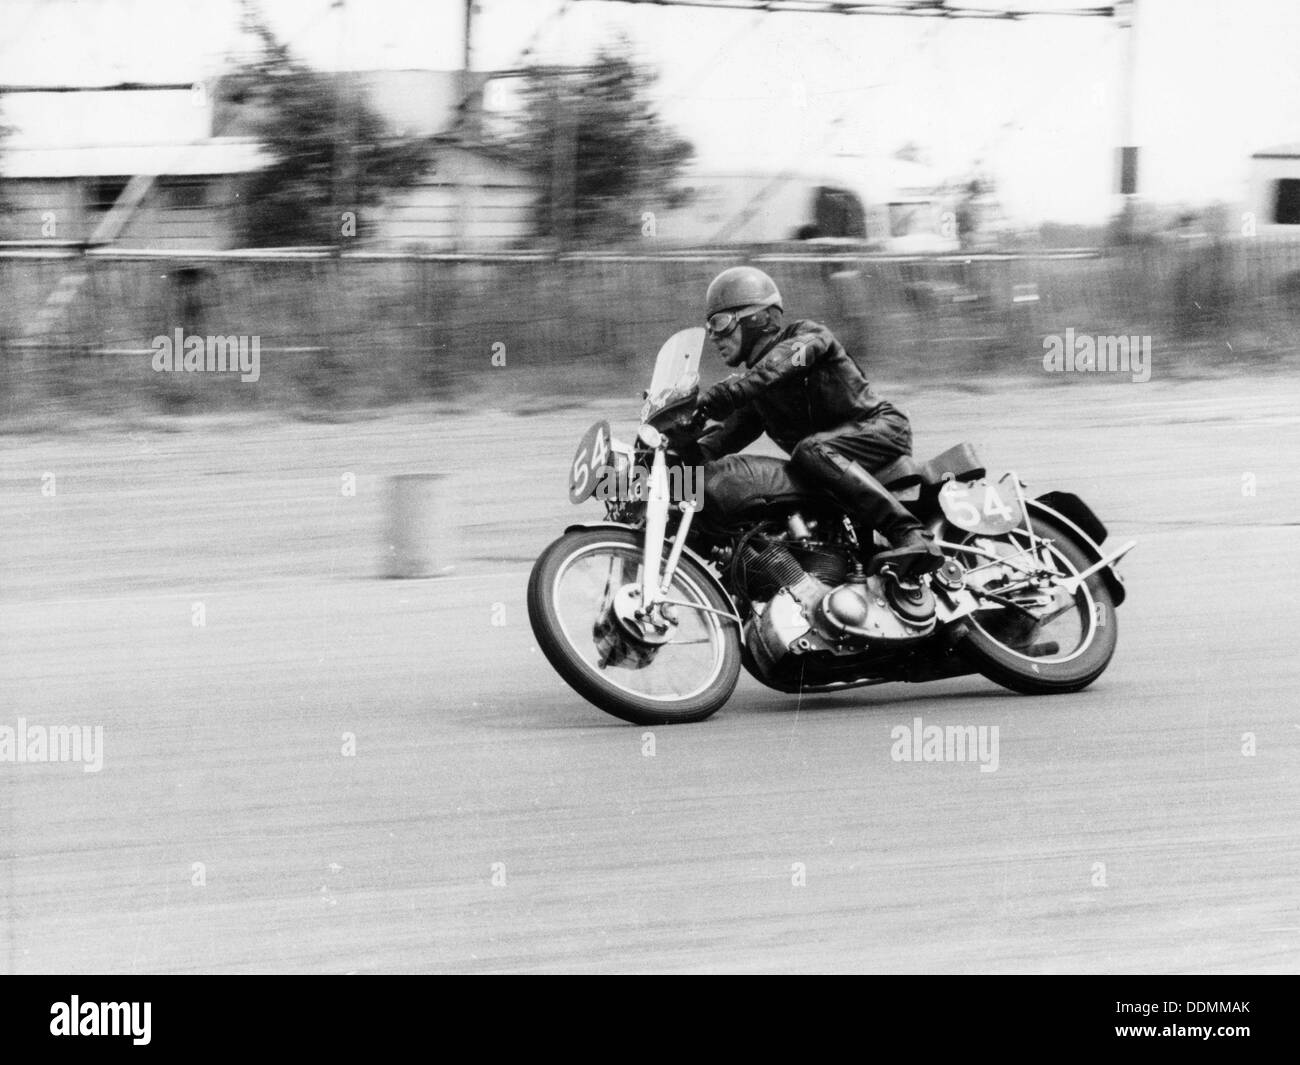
(686, 553)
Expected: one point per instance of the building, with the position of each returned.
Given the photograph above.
(472, 198)
(75, 153)
(161, 166)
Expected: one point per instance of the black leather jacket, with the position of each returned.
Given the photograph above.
(801, 382)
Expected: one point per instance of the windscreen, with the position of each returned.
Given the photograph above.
(677, 370)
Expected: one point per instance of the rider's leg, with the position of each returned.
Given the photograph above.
(836, 461)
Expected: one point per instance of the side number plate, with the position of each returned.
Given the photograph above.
(980, 507)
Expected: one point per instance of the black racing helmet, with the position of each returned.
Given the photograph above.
(740, 290)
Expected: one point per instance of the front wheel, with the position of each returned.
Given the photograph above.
(1033, 634)
(578, 604)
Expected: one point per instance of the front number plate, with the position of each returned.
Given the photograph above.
(589, 463)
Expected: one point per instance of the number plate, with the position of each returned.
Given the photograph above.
(980, 507)
(589, 463)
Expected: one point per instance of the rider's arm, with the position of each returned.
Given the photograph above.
(739, 430)
(789, 360)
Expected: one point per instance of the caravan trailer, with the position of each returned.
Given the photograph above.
(722, 208)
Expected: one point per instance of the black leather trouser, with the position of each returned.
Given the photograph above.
(842, 461)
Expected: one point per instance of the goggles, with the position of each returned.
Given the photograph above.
(723, 323)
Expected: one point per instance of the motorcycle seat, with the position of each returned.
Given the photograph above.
(902, 473)
(959, 461)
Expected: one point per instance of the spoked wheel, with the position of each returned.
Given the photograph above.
(1036, 631)
(677, 666)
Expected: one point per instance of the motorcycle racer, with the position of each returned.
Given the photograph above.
(803, 388)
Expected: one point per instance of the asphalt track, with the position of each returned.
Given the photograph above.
(491, 821)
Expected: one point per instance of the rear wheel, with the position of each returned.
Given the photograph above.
(1037, 636)
(581, 596)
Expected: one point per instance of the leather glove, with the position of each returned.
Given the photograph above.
(715, 402)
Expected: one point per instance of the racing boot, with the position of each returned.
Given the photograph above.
(911, 552)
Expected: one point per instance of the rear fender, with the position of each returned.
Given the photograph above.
(1077, 518)
(686, 553)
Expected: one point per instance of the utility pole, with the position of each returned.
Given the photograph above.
(469, 37)
(470, 103)
(467, 122)
(561, 185)
(1126, 12)
(343, 195)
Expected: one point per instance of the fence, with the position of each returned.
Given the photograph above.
(367, 329)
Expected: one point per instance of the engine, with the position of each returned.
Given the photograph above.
(811, 596)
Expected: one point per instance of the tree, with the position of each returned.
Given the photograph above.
(332, 154)
(6, 208)
(598, 146)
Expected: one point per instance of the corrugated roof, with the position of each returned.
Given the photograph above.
(103, 117)
(113, 132)
(222, 155)
(1281, 151)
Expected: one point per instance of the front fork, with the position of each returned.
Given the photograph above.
(654, 587)
(656, 525)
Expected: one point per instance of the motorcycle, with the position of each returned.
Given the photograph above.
(651, 614)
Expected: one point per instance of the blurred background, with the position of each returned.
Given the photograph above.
(388, 193)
